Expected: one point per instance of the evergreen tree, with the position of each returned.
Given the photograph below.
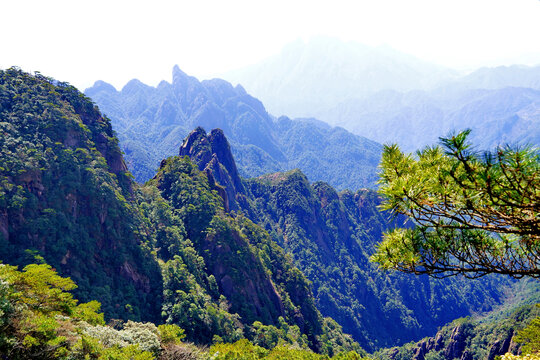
(473, 213)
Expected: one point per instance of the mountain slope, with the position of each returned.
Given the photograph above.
(65, 196)
(484, 337)
(163, 252)
(501, 77)
(151, 123)
(330, 237)
(390, 97)
(416, 119)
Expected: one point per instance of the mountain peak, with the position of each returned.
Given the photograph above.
(177, 72)
(101, 85)
(134, 86)
(212, 154)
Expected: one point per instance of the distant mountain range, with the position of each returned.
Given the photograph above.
(391, 97)
(418, 118)
(306, 78)
(151, 123)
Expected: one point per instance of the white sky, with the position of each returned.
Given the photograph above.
(115, 41)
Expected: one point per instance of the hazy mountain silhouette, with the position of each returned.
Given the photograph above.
(306, 78)
(151, 123)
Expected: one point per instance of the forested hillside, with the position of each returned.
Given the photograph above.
(66, 196)
(163, 252)
(330, 237)
(152, 122)
(271, 263)
(486, 337)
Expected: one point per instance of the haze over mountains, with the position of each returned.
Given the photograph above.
(312, 222)
(306, 78)
(375, 93)
(151, 123)
(418, 118)
(226, 257)
(391, 97)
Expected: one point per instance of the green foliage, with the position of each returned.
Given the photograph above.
(67, 200)
(169, 248)
(225, 278)
(244, 350)
(41, 319)
(170, 334)
(65, 195)
(510, 356)
(481, 338)
(222, 269)
(530, 337)
(330, 237)
(89, 312)
(191, 298)
(473, 214)
(187, 189)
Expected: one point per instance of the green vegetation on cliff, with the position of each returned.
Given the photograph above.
(217, 258)
(65, 196)
(512, 329)
(40, 319)
(330, 237)
(224, 278)
(163, 252)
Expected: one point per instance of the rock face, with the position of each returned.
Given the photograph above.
(456, 345)
(212, 154)
(501, 346)
(252, 292)
(467, 339)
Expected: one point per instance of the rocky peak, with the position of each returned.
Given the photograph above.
(102, 86)
(134, 87)
(212, 154)
(222, 150)
(189, 92)
(197, 147)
